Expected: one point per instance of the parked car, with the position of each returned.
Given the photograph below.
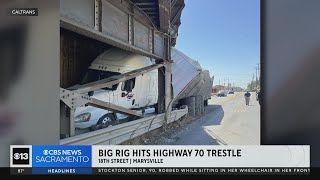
(222, 93)
(257, 95)
(231, 92)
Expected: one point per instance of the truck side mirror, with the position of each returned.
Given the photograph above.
(90, 93)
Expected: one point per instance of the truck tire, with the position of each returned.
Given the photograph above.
(206, 102)
(107, 120)
(156, 109)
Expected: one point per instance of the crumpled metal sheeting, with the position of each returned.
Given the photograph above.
(184, 70)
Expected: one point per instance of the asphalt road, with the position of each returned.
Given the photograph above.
(228, 122)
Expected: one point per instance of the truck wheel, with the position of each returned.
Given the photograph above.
(183, 107)
(106, 120)
(156, 109)
(206, 102)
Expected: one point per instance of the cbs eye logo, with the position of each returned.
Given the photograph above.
(20, 156)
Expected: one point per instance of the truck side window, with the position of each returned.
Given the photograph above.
(93, 75)
(128, 85)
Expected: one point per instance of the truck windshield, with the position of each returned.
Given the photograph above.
(95, 75)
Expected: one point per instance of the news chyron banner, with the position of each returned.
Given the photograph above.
(155, 159)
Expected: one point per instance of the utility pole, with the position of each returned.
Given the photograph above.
(252, 82)
(257, 78)
(259, 73)
(259, 70)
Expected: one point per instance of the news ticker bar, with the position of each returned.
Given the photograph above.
(87, 159)
(168, 170)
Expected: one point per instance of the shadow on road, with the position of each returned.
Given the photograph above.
(214, 115)
(196, 133)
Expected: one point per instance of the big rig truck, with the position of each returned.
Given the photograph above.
(189, 83)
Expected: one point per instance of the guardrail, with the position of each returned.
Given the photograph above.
(117, 134)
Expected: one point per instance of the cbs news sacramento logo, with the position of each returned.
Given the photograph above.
(20, 156)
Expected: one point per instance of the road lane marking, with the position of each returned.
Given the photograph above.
(228, 100)
(241, 108)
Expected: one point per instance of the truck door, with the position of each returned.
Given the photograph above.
(153, 88)
(127, 94)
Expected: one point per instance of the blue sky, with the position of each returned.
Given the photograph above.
(224, 36)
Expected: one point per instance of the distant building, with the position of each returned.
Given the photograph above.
(217, 88)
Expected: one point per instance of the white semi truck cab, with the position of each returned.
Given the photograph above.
(136, 93)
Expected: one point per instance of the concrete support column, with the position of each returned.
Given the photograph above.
(202, 106)
(191, 103)
(198, 105)
(168, 80)
(64, 121)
